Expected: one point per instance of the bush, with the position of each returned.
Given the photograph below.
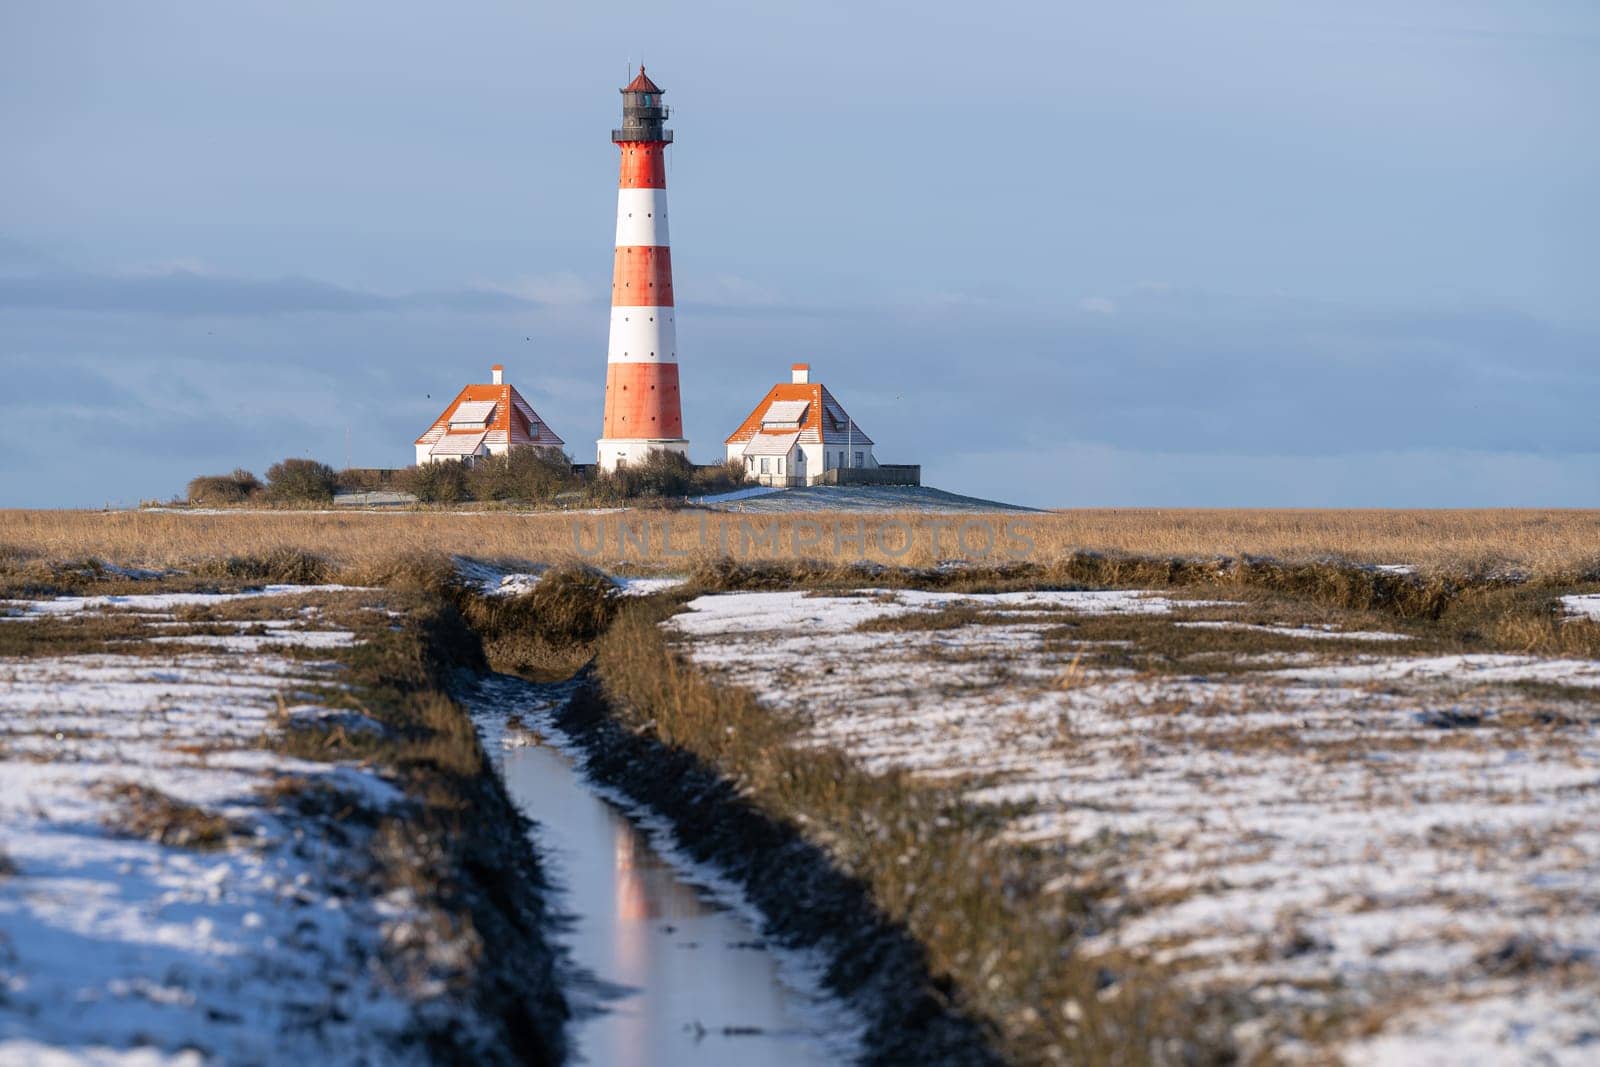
(289, 566)
(300, 481)
(662, 474)
(235, 488)
(436, 483)
(364, 479)
(723, 478)
(535, 475)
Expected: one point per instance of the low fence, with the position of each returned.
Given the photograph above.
(882, 474)
(359, 479)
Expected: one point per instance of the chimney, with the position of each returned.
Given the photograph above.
(800, 373)
(498, 372)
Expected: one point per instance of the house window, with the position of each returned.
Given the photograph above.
(764, 465)
(858, 459)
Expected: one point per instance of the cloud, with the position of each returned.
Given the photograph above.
(191, 288)
(550, 290)
(1098, 305)
(180, 292)
(733, 291)
(157, 268)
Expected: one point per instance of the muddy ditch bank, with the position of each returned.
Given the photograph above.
(808, 904)
(469, 846)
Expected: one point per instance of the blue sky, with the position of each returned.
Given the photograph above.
(1068, 254)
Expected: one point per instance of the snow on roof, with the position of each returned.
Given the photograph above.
(771, 444)
(472, 413)
(458, 444)
(785, 413)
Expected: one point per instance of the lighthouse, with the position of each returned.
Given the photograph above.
(642, 413)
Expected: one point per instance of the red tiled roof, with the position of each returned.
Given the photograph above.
(641, 84)
(510, 423)
(826, 420)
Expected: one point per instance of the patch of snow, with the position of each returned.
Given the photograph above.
(1511, 1025)
(736, 494)
(515, 584)
(1309, 632)
(161, 602)
(1583, 605)
(315, 716)
(724, 613)
(1472, 668)
(646, 586)
(279, 638)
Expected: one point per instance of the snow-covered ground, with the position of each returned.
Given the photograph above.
(1583, 605)
(161, 901)
(1392, 853)
(853, 498)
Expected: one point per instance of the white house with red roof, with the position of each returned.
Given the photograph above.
(485, 420)
(798, 432)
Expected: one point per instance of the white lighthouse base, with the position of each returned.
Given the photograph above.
(632, 451)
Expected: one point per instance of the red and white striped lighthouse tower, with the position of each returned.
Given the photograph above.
(642, 411)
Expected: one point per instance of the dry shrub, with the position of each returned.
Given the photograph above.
(301, 481)
(427, 572)
(575, 601)
(143, 811)
(718, 478)
(284, 565)
(235, 488)
(532, 475)
(549, 631)
(436, 483)
(662, 474)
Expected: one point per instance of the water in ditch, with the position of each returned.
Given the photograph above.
(668, 967)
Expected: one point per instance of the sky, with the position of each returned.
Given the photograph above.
(1066, 254)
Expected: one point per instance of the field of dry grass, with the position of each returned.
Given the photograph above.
(1559, 544)
(1004, 754)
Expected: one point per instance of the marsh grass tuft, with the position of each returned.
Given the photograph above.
(283, 565)
(548, 632)
(147, 812)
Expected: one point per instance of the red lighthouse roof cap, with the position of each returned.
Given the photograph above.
(641, 84)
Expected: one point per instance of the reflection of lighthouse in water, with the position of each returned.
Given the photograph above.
(633, 898)
(642, 412)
